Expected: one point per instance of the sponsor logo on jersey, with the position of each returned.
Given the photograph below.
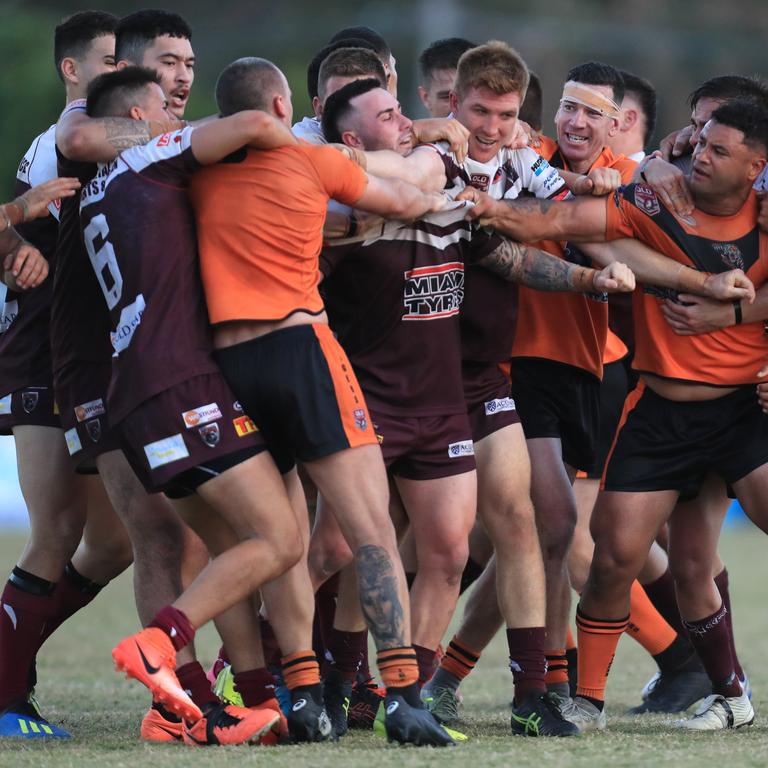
(5, 405)
(244, 426)
(498, 405)
(29, 401)
(481, 181)
(90, 410)
(130, 319)
(539, 166)
(93, 427)
(8, 313)
(729, 254)
(23, 169)
(73, 441)
(463, 448)
(646, 200)
(210, 434)
(237, 407)
(164, 140)
(201, 415)
(433, 292)
(165, 451)
(361, 422)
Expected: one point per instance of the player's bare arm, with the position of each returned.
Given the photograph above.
(422, 168)
(521, 263)
(442, 129)
(397, 199)
(34, 202)
(668, 182)
(677, 143)
(598, 182)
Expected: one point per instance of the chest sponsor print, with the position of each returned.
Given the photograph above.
(8, 313)
(434, 292)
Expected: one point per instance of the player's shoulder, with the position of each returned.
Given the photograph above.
(623, 164)
(38, 164)
(158, 149)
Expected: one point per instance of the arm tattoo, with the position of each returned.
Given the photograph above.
(378, 596)
(524, 264)
(124, 133)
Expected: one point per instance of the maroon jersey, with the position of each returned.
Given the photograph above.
(394, 302)
(79, 319)
(25, 351)
(139, 232)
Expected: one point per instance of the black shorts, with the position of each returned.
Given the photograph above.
(299, 387)
(613, 393)
(489, 404)
(558, 400)
(34, 405)
(81, 393)
(666, 445)
(188, 434)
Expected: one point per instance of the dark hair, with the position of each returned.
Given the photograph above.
(645, 94)
(73, 37)
(114, 93)
(350, 62)
(135, 32)
(442, 54)
(597, 73)
(313, 70)
(532, 108)
(747, 116)
(248, 83)
(337, 106)
(366, 33)
(729, 87)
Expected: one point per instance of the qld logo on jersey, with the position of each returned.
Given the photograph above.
(433, 292)
(646, 200)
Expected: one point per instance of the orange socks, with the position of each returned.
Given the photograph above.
(301, 669)
(646, 624)
(398, 667)
(459, 659)
(597, 639)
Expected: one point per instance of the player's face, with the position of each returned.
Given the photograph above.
(379, 123)
(174, 60)
(154, 105)
(99, 59)
(700, 115)
(436, 96)
(583, 132)
(489, 117)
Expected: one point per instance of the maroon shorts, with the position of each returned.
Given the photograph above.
(81, 394)
(195, 425)
(33, 405)
(424, 447)
(489, 405)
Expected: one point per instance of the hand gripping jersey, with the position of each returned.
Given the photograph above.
(569, 328)
(727, 357)
(139, 233)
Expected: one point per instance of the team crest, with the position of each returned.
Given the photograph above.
(360, 421)
(729, 254)
(646, 200)
(210, 434)
(93, 427)
(480, 181)
(29, 401)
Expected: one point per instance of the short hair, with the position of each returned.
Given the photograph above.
(379, 44)
(73, 37)
(495, 66)
(597, 73)
(532, 108)
(729, 87)
(313, 70)
(747, 116)
(338, 106)
(248, 83)
(135, 32)
(644, 93)
(442, 54)
(350, 62)
(114, 93)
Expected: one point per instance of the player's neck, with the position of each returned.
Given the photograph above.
(723, 205)
(582, 166)
(75, 92)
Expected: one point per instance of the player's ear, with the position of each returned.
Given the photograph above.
(136, 112)
(317, 107)
(68, 68)
(756, 167)
(424, 97)
(453, 101)
(278, 106)
(614, 129)
(629, 118)
(122, 64)
(351, 139)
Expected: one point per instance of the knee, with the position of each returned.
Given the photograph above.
(613, 568)
(690, 570)
(556, 533)
(445, 560)
(513, 523)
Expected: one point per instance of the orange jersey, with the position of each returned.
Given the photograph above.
(570, 328)
(260, 228)
(728, 357)
(615, 348)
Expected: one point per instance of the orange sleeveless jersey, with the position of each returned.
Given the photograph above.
(260, 228)
(615, 348)
(567, 327)
(728, 357)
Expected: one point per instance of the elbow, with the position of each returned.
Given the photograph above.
(74, 145)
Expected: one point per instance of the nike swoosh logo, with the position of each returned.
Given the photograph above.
(150, 669)
(175, 734)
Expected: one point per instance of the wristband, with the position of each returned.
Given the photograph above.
(737, 311)
(644, 166)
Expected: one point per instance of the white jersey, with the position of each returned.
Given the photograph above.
(39, 165)
(761, 185)
(309, 129)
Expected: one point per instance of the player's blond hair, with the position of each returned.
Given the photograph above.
(495, 66)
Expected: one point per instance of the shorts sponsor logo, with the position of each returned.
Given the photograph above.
(165, 451)
(93, 428)
(646, 200)
(8, 313)
(201, 415)
(130, 319)
(5, 405)
(480, 181)
(463, 448)
(498, 405)
(90, 410)
(430, 293)
(73, 441)
(210, 434)
(237, 407)
(29, 401)
(244, 426)
(361, 422)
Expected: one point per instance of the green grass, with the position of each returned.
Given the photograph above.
(79, 690)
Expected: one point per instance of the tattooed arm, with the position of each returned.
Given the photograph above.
(97, 140)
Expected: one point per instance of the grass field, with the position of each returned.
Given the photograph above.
(79, 690)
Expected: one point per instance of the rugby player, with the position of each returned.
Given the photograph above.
(380, 46)
(638, 118)
(437, 71)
